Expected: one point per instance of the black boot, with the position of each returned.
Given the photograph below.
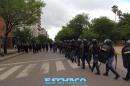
(83, 67)
(92, 69)
(98, 73)
(126, 79)
(117, 76)
(105, 74)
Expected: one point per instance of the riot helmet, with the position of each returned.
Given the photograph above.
(94, 41)
(128, 42)
(79, 41)
(85, 40)
(108, 42)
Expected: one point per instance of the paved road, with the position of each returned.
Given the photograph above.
(29, 69)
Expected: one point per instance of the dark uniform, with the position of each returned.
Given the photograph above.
(46, 46)
(95, 53)
(110, 58)
(34, 47)
(79, 51)
(43, 47)
(126, 59)
(73, 47)
(51, 45)
(86, 54)
(19, 47)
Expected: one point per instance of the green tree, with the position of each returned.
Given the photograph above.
(88, 34)
(42, 39)
(19, 13)
(115, 10)
(78, 23)
(23, 36)
(119, 13)
(64, 34)
(124, 26)
(103, 27)
(125, 19)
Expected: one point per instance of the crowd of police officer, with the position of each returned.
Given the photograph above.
(37, 47)
(82, 51)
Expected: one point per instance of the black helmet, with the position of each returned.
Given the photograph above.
(128, 42)
(79, 40)
(108, 42)
(85, 40)
(94, 41)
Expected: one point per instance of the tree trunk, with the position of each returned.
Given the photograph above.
(5, 44)
(115, 17)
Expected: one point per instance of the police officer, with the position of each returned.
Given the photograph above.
(18, 47)
(43, 47)
(86, 54)
(110, 59)
(46, 46)
(95, 53)
(126, 59)
(79, 50)
(51, 45)
(34, 47)
(73, 50)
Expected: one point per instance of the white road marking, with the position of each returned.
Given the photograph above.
(79, 85)
(45, 68)
(9, 72)
(26, 71)
(1, 69)
(73, 65)
(59, 66)
(31, 62)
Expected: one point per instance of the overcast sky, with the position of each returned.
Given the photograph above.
(57, 13)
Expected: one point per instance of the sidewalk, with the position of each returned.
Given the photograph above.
(10, 54)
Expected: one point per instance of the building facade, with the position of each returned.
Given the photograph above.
(42, 31)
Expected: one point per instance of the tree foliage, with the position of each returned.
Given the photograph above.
(78, 23)
(64, 34)
(23, 36)
(88, 34)
(43, 39)
(103, 26)
(18, 13)
(124, 19)
(74, 28)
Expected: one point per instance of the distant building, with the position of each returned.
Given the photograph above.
(37, 30)
(34, 29)
(43, 32)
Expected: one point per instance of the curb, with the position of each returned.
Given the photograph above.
(9, 56)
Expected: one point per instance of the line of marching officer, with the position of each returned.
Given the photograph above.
(82, 51)
(38, 47)
(34, 47)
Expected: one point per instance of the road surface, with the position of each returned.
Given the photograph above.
(30, 69)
